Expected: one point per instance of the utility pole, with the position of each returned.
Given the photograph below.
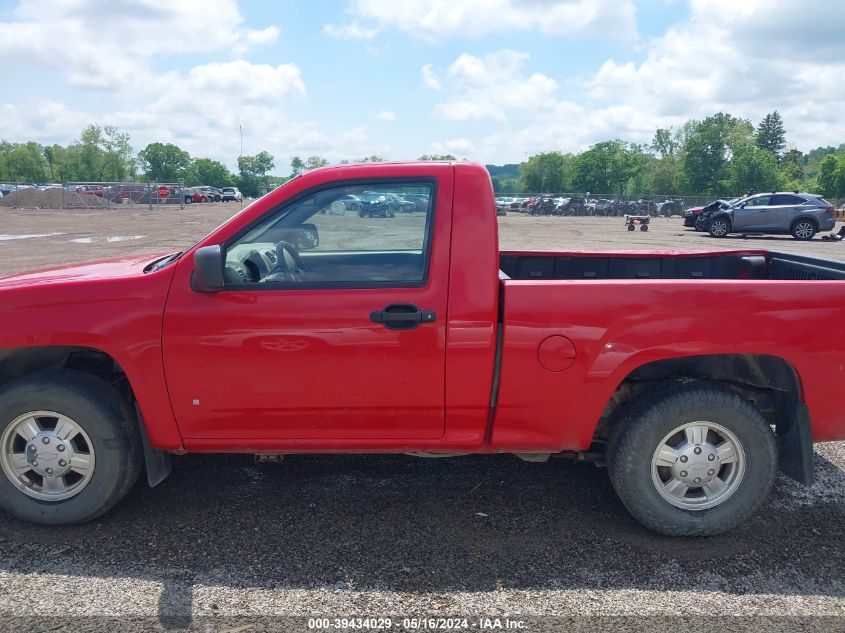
(241, 130)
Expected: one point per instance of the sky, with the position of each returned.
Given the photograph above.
(493, 81)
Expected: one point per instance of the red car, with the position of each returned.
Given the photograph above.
(91, 190)
(695, 376)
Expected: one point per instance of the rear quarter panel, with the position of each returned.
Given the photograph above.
(619, 325)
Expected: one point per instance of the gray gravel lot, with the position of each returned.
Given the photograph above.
(225, 541)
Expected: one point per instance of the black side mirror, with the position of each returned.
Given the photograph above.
(208, 269)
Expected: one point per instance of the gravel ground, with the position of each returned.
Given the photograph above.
(224, 542)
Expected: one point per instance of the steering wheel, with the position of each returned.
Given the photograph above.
(300, 272)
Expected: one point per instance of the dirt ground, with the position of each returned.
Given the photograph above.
(224, 542)
(38, 238)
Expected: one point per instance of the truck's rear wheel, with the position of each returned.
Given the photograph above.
(692, 460)
(69, 447)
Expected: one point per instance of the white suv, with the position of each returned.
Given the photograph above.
(232, 193)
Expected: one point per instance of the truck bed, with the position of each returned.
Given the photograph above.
(668, 265)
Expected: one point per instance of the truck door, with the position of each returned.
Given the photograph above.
(331, 324)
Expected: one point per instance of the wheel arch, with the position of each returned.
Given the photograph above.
(809, 218)
(770, 383)
(18, 362)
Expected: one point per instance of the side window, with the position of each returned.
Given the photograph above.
(785, 199)
(761, 201)
(361, 234)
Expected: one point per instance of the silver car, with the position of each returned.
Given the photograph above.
(802, 215)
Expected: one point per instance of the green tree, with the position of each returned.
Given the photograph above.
(117, 163)
(545, 172)
(252, 172)
(297, 166)
(792, 170)
(831, 178)
(770, 134)
(90, 153)
(164, 162)
(204, 171)
(437, 157)
(664, 172)
(605, 168)
(708, 148)
(24, 162)
(314, 162)
(753, 169)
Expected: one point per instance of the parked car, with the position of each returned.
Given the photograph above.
(503, 204)
(398, 203)
(231, 194)
(689, 374)
(801, 215)
(375, 204)
(697, 216)
(128, 192)
(91, 190)
(212, 194)
(348, 203)
(420, 201)
(198, 195)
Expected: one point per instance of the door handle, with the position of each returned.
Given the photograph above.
(402, 316)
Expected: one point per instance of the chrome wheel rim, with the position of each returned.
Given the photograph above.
(698, 465)
(804, 230)
(719, 227)
(47, 455)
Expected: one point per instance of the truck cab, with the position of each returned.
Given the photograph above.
(298, 326)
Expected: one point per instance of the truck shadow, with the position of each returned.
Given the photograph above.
(428, 525)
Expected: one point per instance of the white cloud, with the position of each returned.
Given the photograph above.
(351, 31)
(475, 18)
(455, 146)
(745, 58)
(250, 82)
(386, 115)
(487, 86)
(430, 77)
(107, 45)
(47, 121)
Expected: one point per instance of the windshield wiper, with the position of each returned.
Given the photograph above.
(161, 263)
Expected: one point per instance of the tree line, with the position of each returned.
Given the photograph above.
(719, 155)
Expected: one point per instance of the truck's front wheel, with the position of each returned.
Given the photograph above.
(69, 447)
(692, 460)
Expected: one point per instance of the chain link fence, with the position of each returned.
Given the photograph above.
(597, 204)
(103, 195)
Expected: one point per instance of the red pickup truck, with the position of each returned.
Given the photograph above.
(294, 328)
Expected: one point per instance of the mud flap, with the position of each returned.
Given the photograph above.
(795, 446)
(158, 463)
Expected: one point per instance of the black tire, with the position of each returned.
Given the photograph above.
(188, 199)
(700, 224)
(655, 414)
(803, 229)
(643, 227)
(109, 422)
(631, 227)
(719, 227)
